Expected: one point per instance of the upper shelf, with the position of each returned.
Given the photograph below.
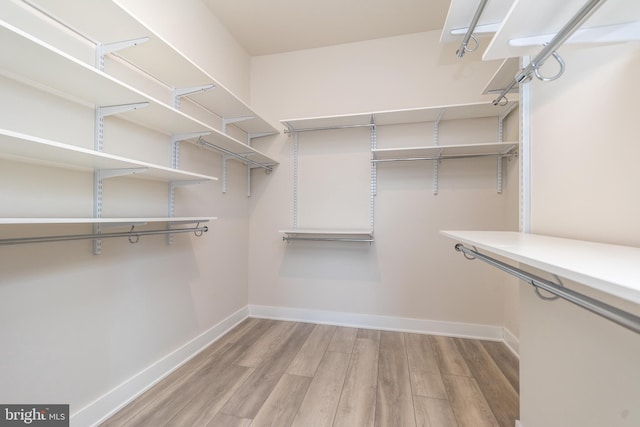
(608, 268)
(527, 20)
(108, 21)
(32, 149)
(461, 14)
(392, 117)
(444, 151)
(29, 59)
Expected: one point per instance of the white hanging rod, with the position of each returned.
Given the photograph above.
(474, 22)
(461, 156)
(614, 314)
(550, 50)
(133, 236)
(291, 130)
(326, 239)
(202, 142)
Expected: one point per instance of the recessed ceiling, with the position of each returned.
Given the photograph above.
(264, 27)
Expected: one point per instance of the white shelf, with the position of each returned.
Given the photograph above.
(29, 59)
(105, 221)
(461, 13)
(95, 19)
(503, 77)
(329, 234)
(394, 117)
(614, 21)
(612, 269)
(444, 151)
(30, 149)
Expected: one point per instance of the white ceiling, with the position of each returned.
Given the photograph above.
(272, 26)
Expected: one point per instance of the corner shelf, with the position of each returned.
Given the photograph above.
(611, 269)
(531, 23)
(31, 149)
(330, 235)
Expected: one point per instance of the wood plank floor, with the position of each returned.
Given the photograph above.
(280, 374)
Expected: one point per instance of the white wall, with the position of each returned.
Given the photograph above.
(410, 271)
(75, 326)
(578, 369)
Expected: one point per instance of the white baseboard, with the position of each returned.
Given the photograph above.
(512, 342)
(389, 323)
(111, 402)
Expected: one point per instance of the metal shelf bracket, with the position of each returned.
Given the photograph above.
(231, 120)
(175, 145)
(103, 49)
(296, 154)
(178, 93)
(374, 173)
(98, 176)
(225, 157)
(253, 135)
(436, 141)
(171, 199)
(102, 112)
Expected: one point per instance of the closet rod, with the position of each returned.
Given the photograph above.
(202, 142)
(326, 239)
(461, 156)
(550, 48)
(198, 230)
(472, 27)
(614, 314)
(291, 130)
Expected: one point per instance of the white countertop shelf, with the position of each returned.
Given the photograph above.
(107, 21)
(405, 116)
(615, 20)
(612, 269)
(444, 151)
(461, 14)
(26, 148)
(105, 221)
(29, 59)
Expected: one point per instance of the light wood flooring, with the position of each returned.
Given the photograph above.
(275, 373)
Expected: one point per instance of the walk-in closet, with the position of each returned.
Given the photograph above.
(338, 213)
